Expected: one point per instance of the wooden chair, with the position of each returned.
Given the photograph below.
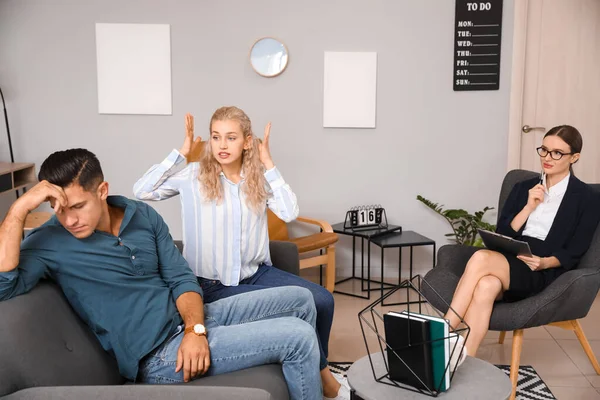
(196, 151)
(322, 241)
(36, 219)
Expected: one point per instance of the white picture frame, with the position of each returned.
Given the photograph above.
(134, 68)
(350, 89)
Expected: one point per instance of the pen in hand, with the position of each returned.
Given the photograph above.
(542, 178)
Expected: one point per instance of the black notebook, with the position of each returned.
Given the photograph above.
(414, 351)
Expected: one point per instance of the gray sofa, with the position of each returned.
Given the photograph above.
(47, 352)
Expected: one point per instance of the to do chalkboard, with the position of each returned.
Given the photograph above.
(477, 37)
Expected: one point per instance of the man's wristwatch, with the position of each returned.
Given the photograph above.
(197, 329)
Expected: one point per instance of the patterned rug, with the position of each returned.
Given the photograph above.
(529, 387)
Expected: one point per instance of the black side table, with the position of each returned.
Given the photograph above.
(401, 240)
(365, 235)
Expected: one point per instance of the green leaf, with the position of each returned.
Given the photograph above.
(456, 214)
(478, 242)
(463, 223)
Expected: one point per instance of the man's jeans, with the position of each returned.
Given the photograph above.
(269, 276)
(264, 327)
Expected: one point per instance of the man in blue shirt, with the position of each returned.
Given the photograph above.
(120, 270)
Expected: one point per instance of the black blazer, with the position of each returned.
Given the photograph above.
(573, 227)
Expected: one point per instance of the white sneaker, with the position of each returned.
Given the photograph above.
(459, 353)
(344, 392)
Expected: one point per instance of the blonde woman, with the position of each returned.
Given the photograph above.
(224, 198)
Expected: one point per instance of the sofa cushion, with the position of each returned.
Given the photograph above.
(266, 377)
(44, 343)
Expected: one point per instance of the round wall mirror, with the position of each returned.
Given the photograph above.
(268, 57)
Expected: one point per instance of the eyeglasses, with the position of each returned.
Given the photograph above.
(555, 154)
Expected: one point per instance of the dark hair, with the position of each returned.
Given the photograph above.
(570, 135)
(79, 166)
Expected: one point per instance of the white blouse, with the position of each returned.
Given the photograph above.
(225, 242)
(540, 221)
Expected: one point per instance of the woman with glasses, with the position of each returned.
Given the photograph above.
(556, 214)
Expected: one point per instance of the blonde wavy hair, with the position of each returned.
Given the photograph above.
(254, 186)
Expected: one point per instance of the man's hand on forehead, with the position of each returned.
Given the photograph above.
(42, 192)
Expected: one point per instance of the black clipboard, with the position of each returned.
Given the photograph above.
(497, 242)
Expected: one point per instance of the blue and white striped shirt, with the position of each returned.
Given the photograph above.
(226, 241)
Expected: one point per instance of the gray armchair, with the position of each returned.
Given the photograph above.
(561, 304)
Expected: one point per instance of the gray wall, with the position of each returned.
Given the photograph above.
(448, 146)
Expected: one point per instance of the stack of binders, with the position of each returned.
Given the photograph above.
(418, 350)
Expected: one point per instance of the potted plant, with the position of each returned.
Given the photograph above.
(464, 225)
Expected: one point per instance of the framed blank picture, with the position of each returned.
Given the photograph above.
(350, 90)
(134, 68)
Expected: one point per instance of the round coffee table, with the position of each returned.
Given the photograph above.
(474, 379)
